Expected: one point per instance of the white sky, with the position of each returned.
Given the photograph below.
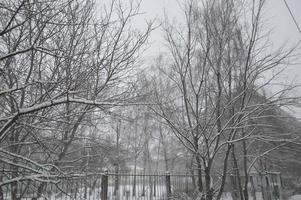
(276, 13)
(277, 18)
(284, 29)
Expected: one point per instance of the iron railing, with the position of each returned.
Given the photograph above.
(105, 186)
(125, 186)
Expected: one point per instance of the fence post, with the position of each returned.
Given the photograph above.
(168, 184)
(1, 191)
(104, 186)
(116, 186)
(186, 182)
(280, 186)
(253, 190)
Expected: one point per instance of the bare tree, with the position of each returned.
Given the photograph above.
(214, 75)
(59, 65)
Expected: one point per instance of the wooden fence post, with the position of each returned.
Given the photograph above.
(168, 184)
(104, 186)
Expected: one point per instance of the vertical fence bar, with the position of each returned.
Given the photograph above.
(104, 186)
(155, 184)
(186, 182)
(268, 187)
(143, 183)
(168, 184)
(116, 187)
(2, 187)
(1, 193)
(134, 184)
(253, 190)
(279, 183)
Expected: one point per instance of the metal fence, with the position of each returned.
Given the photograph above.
(125, 186)
(105, 186)
(261, 186)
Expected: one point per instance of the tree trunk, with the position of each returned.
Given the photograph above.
(246, 195)
(237, 175)
(199, 165)
(209, 191)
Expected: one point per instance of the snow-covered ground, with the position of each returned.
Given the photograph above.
(227, 196)
(295, 197)
(125, 192)
(142, 192)
(96, 196)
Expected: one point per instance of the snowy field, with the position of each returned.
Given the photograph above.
(227, 196)
(125, 192)
(96, 196)
(295, 197)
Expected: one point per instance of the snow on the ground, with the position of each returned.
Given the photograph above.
(295, 197)
(228, 196)
(125, 192)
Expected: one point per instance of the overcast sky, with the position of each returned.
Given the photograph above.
(276, 14)
(284, 29)
(277, 17)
